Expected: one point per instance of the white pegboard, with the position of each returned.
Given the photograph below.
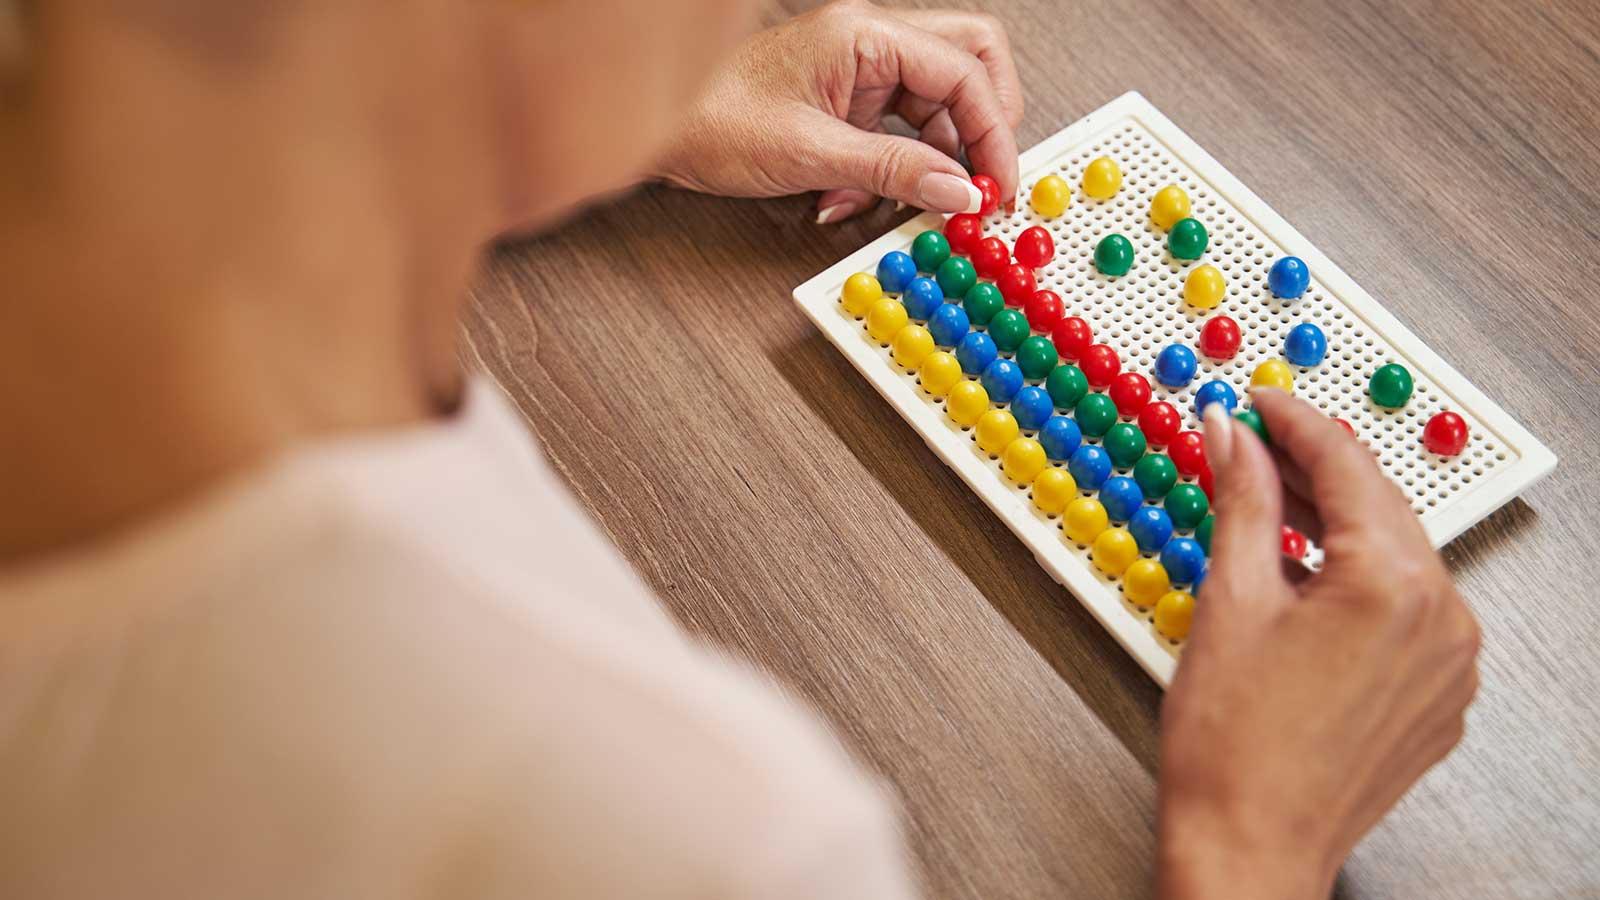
(1143, 311)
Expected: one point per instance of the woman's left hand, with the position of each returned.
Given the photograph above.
(801, 107)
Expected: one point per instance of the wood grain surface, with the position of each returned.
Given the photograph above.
(1446, 155)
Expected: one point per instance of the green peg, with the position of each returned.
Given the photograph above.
(1391, 386)
(982, 302)
(929, 251)
(1156, 475)
(1125, 444)
(1095, 414)
(1009, 328)
(1037, 357)
(1202, 532)
(1113, 256)
(956, 276)
(1187, 505)
(1066, 385)
(1252, 420)
(1188, 239)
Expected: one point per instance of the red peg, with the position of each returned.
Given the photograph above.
(990, 190)
(1219, 337)
(1160, 422)
(963, 231)
(990, 257)
(1072, 336)
(1130, 391)
(1044, 310)
(1100, 365)
(1445, 434)
(1294, 543)
(1017, 284)
(1188, 452)
(1035, 248)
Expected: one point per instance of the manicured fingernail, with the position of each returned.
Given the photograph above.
(942, 192)
(836, 211)
(1219, 436)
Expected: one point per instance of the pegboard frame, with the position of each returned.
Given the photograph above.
(1527, 460)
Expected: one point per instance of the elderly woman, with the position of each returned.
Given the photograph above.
(290, 607)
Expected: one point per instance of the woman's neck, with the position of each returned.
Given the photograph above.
(188, 293)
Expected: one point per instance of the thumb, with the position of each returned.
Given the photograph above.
(899, 168)
(1246, 538)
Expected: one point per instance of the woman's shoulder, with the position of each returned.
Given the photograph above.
(327, 695)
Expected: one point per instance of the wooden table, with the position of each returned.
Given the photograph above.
(1446, 155)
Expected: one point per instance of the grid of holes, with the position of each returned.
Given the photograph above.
(1143, 311)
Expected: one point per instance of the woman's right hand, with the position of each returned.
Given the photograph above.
(1305, 707)
(801, 107)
